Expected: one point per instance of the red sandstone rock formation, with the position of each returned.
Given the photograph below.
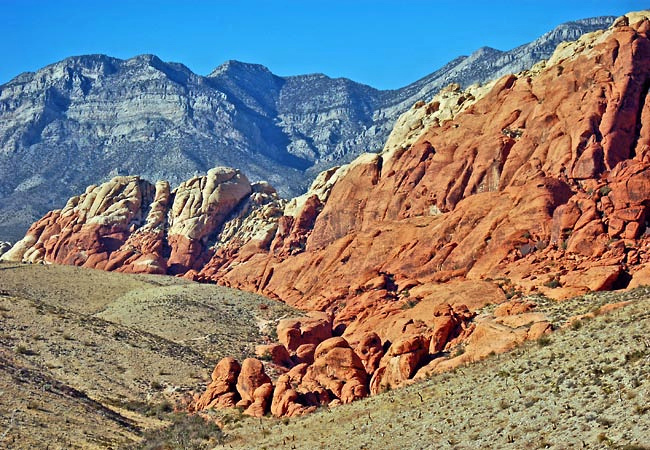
(251, 377)
(293, 333)
(276, 353)
(541, 181)
(370, 351)
(339, 374)
(544, 181)
(221, 392)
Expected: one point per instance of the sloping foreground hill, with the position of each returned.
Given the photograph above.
(87, 356)
(69, 380)
(587, 386)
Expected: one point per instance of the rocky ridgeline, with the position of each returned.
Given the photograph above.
(162, 121)
(131, 225)
(539, 183)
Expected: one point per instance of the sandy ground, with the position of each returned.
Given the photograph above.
(87, 358)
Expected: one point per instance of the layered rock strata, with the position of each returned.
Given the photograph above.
(159, 119)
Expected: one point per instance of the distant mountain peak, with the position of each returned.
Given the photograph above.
(232, 65)
(487, 51)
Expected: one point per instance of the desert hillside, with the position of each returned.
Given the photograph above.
(87, 356)
(73, 380)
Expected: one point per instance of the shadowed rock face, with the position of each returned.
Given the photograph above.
(89, 118)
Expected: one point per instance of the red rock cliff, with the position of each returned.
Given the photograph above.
(539, 181)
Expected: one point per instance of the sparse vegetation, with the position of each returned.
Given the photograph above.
(605, 190)
(185, 432)
(561, 391)
(544, 384)
(553, 283)
(22, 349)
(634, 356)
(266, 356)
(410, 303)
(157, 385)
(116, 338)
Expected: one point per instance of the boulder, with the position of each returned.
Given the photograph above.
(284, 398)
(641, 277)
(370, 351)
(305, 354)
(251, 377)
(338, 370)
(597, 278)
(513, 307)
(292, 333)
(261, 401)
(448, 323)
(221, 392)
(276, 353)
(400, 363)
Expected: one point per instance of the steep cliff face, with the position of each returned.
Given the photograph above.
(89, 118)
(543, 181)
(541, 178)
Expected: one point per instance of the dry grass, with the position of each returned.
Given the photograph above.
(95, 360)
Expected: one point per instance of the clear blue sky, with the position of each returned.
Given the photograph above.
(386, 44)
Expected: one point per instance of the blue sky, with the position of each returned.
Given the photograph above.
(386, 44)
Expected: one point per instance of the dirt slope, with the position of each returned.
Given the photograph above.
(86, 355)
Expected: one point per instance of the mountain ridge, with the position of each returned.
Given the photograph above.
(143, 115)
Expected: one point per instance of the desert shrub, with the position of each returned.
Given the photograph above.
(552, 283)
(22, 349)
(512, 292)
(641, 409)
(603, 439)
(576, 325)
(634, 356)
(544, 341)
(159, 410)
(186, 431)
(410, 304)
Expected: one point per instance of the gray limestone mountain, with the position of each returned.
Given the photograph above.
(88, 118)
